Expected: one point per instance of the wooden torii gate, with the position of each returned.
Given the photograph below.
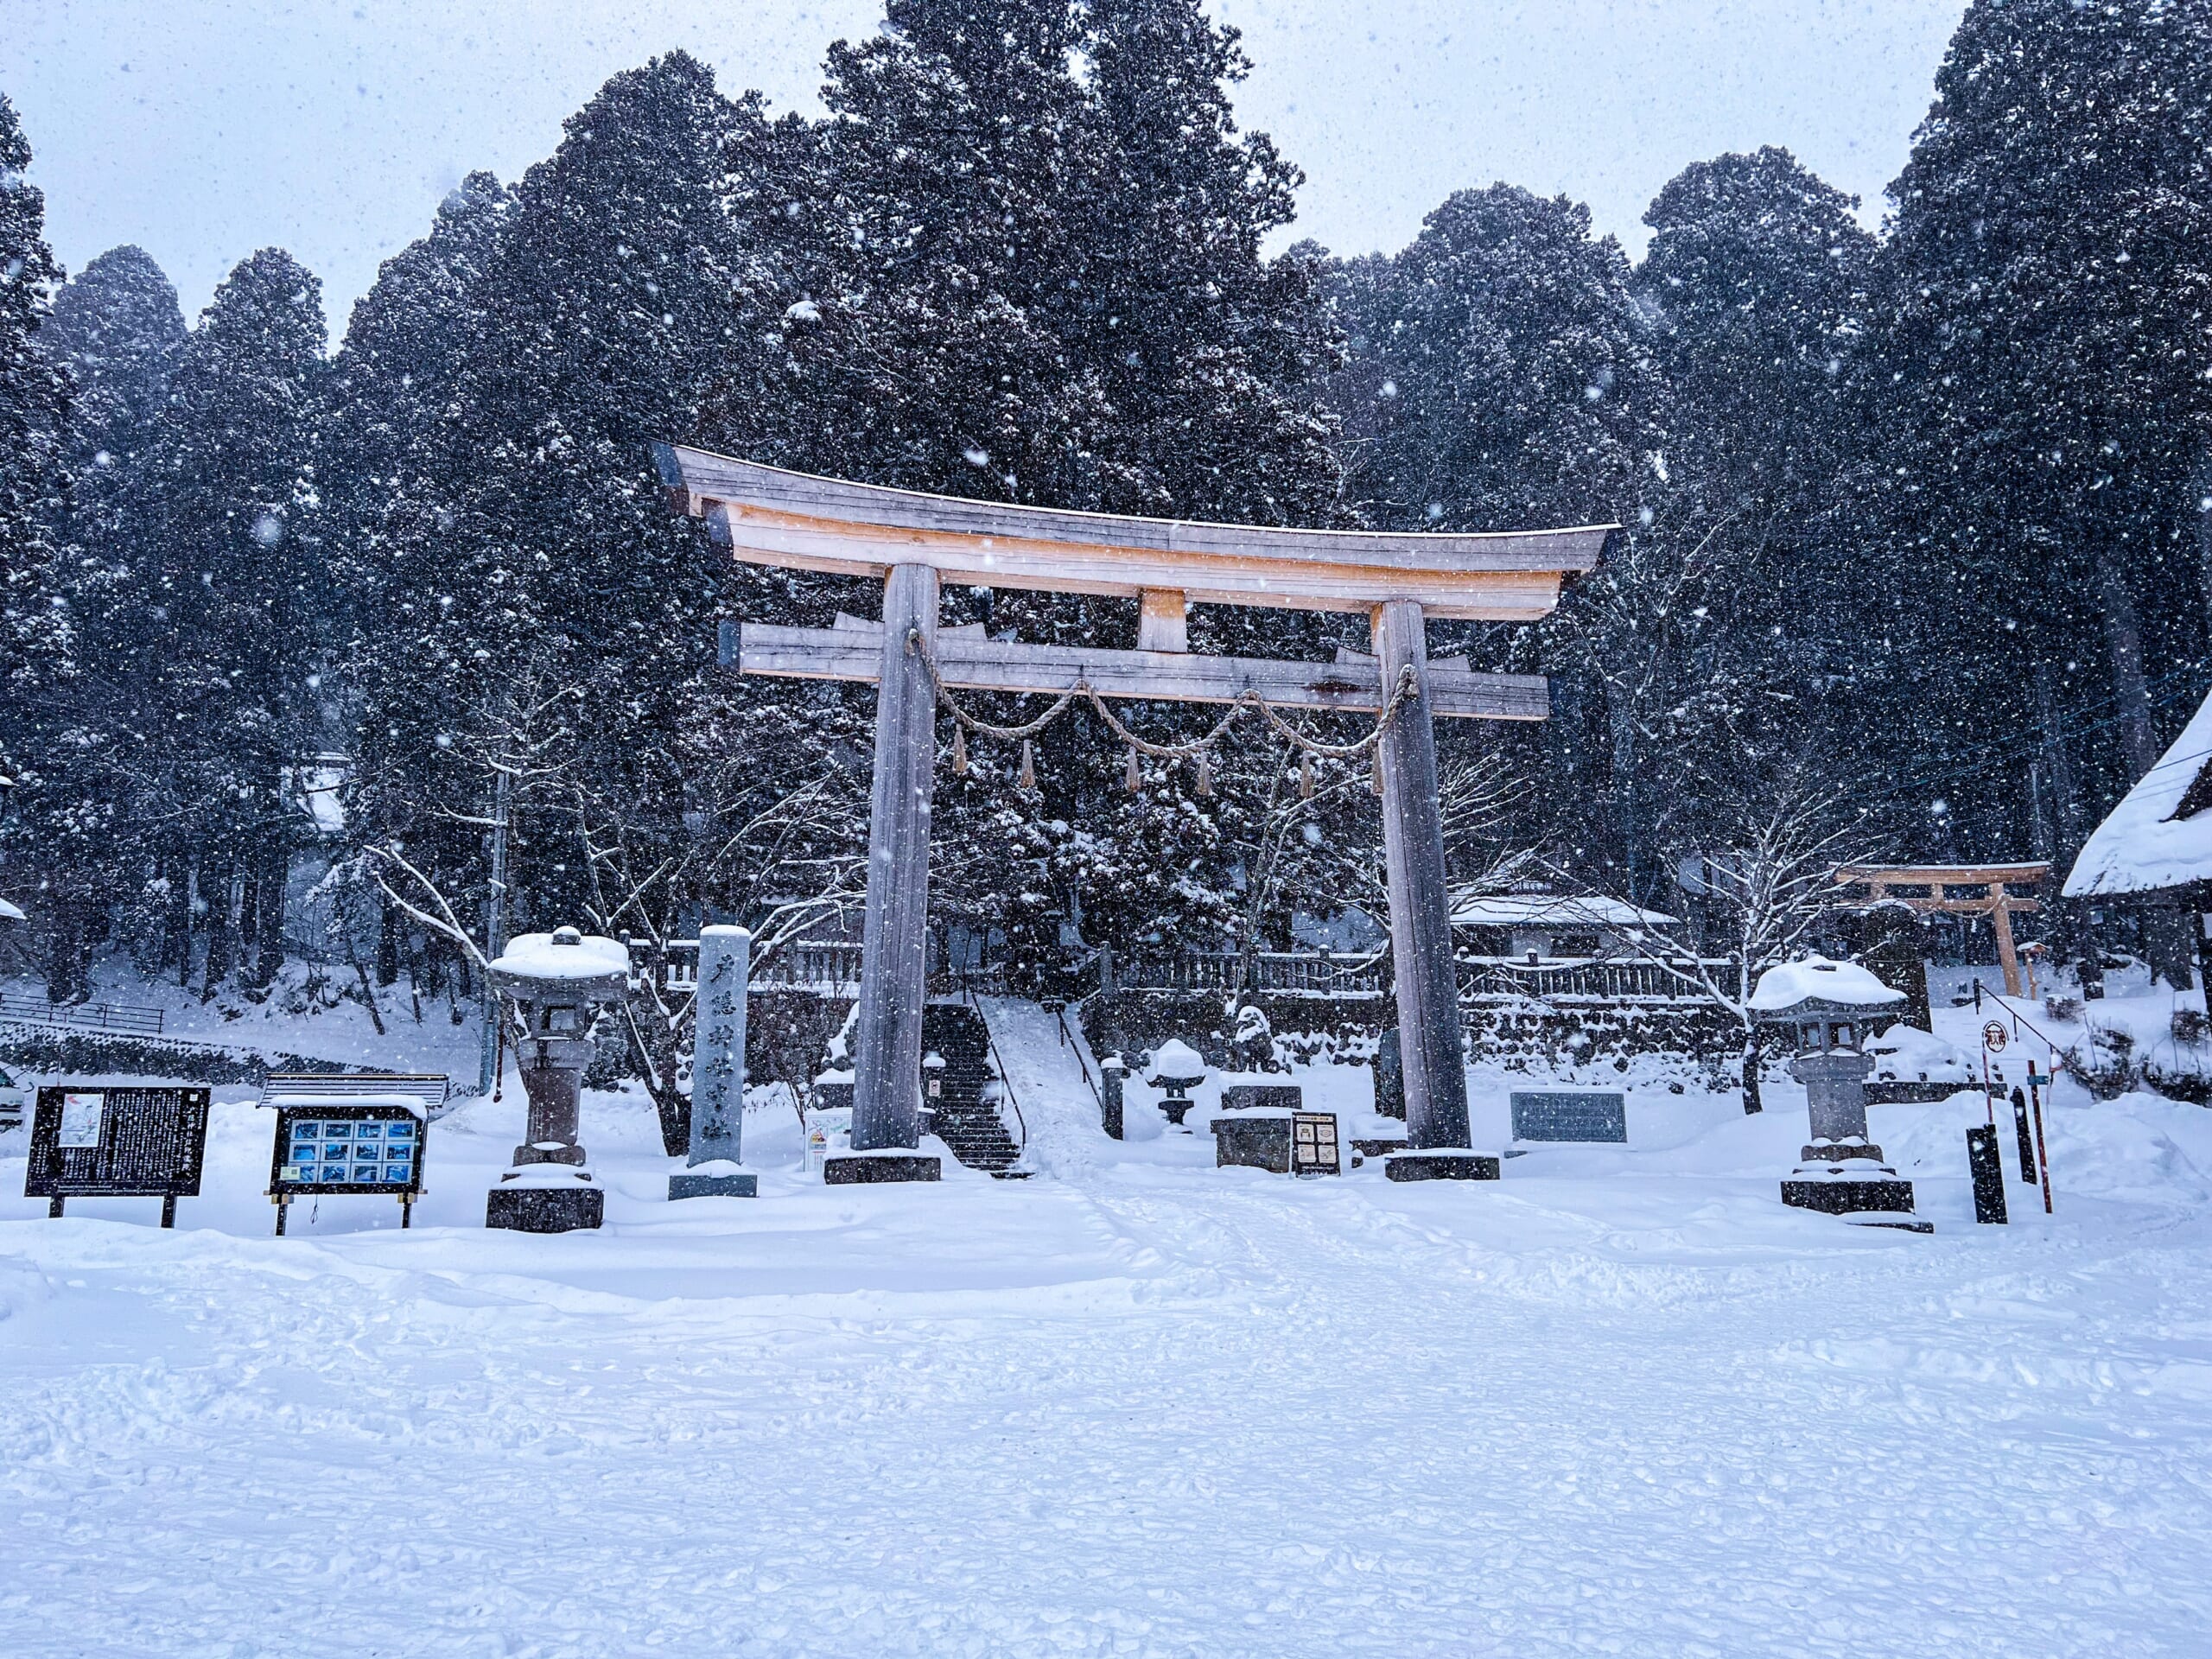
(1958, 890)
(913, 543)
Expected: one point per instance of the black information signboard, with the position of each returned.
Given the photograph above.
(1314, 1144)
(346, 1146)
(117, 1143)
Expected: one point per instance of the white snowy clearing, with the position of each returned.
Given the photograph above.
(1622, 1401)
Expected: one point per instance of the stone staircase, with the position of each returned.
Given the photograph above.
(967, 1122)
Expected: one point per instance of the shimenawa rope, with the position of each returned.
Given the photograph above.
(1407, 690)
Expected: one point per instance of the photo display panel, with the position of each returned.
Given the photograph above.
(347, 1148)
(1314, 1144)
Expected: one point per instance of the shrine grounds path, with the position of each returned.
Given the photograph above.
(1620, 1402)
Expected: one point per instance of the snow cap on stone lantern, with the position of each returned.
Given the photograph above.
(1176, 1061)
(564, 970)
(1826, 1001)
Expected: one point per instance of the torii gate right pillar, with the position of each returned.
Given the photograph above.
(1421, 916)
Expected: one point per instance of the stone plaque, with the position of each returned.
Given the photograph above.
(1580, 1116)
(1274, 1096)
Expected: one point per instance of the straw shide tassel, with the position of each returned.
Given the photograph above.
(959, 751)
(1029, 778)
(1305, 776)
(1132, 779)
(1374, 774)
(1206, 773)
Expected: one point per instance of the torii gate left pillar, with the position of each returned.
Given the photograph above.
(887, 1062)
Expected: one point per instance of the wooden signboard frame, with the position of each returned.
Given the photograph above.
(145, 1143)
(914, 543)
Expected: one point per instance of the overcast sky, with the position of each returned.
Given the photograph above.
(204, 129)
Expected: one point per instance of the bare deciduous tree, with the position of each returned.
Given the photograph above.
(1768, 885)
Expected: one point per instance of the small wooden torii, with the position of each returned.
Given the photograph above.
(1993, 900)
(913, 543)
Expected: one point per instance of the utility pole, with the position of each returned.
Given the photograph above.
(495, 928)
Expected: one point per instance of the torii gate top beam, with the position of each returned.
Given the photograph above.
(766, 515)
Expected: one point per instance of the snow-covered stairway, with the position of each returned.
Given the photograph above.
(966, 1121)
(1054, 1076)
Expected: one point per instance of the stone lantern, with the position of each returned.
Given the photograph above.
(1825, 1007)
(1176, 1069)
(560, 984)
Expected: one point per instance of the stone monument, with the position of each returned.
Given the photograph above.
(714, 1168)
(1113, 1078)
(1825, 1007)
(560, 984)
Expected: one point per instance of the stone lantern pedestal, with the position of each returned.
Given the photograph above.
(1826, 1005)
(559, 983)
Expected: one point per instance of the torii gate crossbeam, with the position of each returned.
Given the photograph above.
(913, 543)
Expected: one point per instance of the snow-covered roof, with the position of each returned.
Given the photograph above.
(1550, 910)
(1817, 979)
(2160, 835)
(409, 1103)
(563, 956)
(8, 912)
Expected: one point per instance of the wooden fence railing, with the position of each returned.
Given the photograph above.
(1482, 979)
(833, 965)
(1611, 979)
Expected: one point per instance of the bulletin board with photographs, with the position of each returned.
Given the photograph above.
(347, 1147)
(117, 1143)
(1314, 1144)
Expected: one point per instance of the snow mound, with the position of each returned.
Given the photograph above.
(1908, 1054)
(2139, 1148)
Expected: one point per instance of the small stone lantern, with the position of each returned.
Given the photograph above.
(1176, 1069)
(560, 984)
(1826, 1008)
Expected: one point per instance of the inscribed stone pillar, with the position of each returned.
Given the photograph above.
(887, 1093)
(718, 1071)
(1421, 917)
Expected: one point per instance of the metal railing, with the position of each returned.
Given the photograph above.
(121, 1017)
(1069, 1040)
(1004, 1080)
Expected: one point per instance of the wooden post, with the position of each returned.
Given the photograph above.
(1421, 911)
(2000, 923)
(887, 1082)
(1163, 621)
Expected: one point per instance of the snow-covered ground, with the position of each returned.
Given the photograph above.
(1620, 1402)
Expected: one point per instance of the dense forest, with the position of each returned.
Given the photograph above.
(1917, 556)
